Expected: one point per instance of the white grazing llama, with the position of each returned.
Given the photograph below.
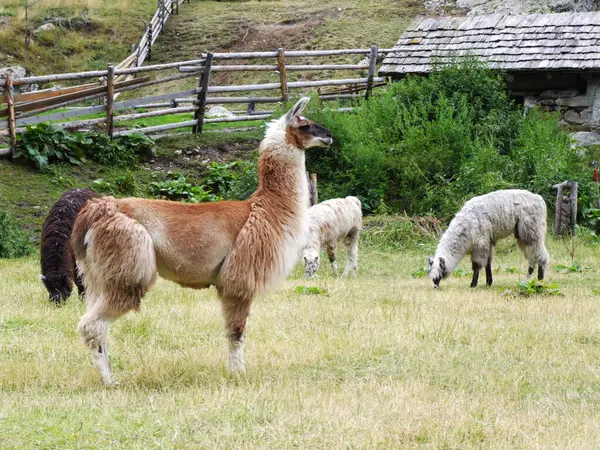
(338, 219)
(483, 221)
(242, 248)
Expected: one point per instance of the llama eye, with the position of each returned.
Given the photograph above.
(304, 127)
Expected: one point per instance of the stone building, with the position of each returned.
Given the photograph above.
(549, 60)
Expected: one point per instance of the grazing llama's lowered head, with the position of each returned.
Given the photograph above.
(311, 261)
(59, 286)
(296, 131)
(437, 270)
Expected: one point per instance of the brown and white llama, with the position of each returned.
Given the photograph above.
(242, 248)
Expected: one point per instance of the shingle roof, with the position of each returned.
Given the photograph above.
(565, 41)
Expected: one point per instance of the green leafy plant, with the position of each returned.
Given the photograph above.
(511, 270)
(574, 267)
(311, 290)
(536, 287)
(460, 272)
(419, 273)
(44, 144)
(13, 242)
(180, 189)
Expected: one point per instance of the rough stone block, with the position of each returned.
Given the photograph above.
(573, 117)
(574, 102)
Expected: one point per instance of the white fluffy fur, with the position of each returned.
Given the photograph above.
(328, 223)
(482, 222)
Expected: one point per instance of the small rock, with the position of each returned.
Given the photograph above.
(573, 117)
(585, 138)
(219, 111)
(206, 161)
(152, 161)
(186, 158)
(177, 152)
(45, 27)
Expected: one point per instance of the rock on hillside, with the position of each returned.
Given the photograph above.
(477, 7)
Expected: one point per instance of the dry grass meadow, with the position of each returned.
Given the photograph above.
(381, 361)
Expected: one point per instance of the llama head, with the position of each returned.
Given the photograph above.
(298, 130)
(59, 288)
(311, 262)
(437, 270)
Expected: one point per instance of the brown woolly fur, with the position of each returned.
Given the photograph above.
(242, 248)
(57, 261)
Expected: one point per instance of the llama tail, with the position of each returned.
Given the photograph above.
(56, 256)
(115, 256)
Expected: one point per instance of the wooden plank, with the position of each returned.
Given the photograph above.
(60, 115)
(110, 97)
(224, 100)
(282, 74)
(304, 67)
(202, 93)
(244, 87)
(59, 77)
(154, 67)
(153, 99)
(10, 100)
(160, 112)
(75, 96)
(169, 126)
(48, 93)
(372, 68)
(238, 118)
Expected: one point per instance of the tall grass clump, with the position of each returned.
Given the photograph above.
(13, 242)
(426, 144)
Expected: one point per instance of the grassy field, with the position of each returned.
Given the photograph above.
(379, 361)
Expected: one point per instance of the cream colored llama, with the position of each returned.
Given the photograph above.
(242, 248)
(335, 220)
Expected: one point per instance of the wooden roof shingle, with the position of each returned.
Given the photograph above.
(564, 41)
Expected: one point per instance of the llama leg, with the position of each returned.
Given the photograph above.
(351, 243)
(476, 268)
(331, 253)
(543, 261)
(78, 281)
(235, 310)
(93, 329)
(488, 269)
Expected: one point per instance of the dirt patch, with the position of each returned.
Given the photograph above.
(289, 34)
(197, 158)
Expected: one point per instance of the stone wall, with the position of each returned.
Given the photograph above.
(580, 110)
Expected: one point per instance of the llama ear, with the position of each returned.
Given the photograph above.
(43, 277)
(296, 110)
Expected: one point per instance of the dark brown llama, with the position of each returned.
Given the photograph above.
(58, 263)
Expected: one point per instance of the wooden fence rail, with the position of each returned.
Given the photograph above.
(37, 107)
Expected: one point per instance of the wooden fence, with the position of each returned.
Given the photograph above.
(49, 105)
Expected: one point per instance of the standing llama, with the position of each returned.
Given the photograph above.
(338, 219)
(483, 221)
(241, 247)
(58, 263)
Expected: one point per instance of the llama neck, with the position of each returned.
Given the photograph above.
(454, 245)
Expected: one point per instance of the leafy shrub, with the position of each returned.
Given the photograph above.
(393, 232)
(424, 145)
(534, 286)
(46, 144)
(13, 242)
(180, 189)
(125, 184)
(43, 144)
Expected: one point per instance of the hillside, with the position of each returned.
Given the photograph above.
(103, 31)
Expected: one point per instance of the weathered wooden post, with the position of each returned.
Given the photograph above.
(565, 217)
(371, 73)
(12, 124)
(282, 74)
(110, 97)
(149, 39)
(202, 94)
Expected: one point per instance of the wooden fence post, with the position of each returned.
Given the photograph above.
(202, 94)
(110, 97)
(566, 208)
(282, 74)
(149, 39)
(372, 67)
(10, 100)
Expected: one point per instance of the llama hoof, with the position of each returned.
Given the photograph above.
(111, 383)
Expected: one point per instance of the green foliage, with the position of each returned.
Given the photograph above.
(13, 242)
(512, 270)
(419, 273)
(426, 144)
(180, 189)
(574, 267)
(125, 184)
(234, 180)
(45, 144)
(311, 290)
(536, 287)
(394, 232)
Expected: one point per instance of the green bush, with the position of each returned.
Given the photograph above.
(13, 242)
(180, 189)
(45, 144)
(424, 145)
